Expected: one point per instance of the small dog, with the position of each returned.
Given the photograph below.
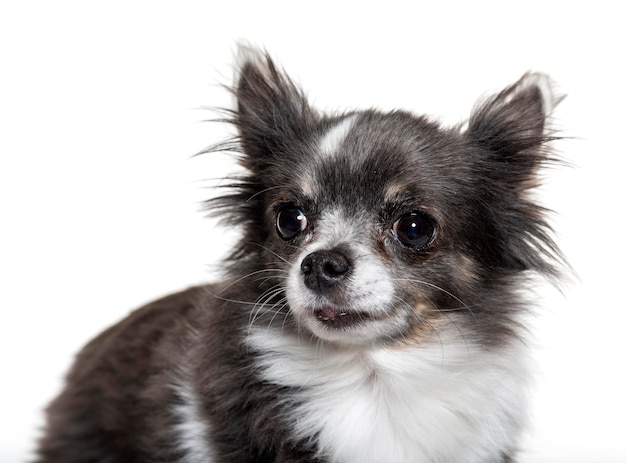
(372, 311)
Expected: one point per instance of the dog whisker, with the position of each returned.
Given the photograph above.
(262, 303)
(265, 248)
(439, 288)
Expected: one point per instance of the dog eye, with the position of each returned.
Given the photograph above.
(415, 230)
(290, 221)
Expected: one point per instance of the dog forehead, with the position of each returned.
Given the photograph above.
(359, 154)
(330, 142)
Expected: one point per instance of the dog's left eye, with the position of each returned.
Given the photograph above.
(290, 221)
(415, 230)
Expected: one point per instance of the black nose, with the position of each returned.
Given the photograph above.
(322, 270)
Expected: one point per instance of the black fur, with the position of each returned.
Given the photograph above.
(117, 406)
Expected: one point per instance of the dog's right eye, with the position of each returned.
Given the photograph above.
(290, 221)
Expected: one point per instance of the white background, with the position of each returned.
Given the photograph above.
(100, 199)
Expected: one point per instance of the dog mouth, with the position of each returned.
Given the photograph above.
(338, 318)
(350, 325)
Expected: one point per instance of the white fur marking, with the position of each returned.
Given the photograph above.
(192, 431)
(400, 405)
(332, 140)
(546, 88)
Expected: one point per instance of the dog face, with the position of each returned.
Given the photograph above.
(364, 229)
(386, 227)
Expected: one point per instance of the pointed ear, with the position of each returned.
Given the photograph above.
(271, 109)
(512, 125)
(513, 131)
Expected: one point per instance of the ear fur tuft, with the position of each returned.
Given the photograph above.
(515, 121)
(271, 109)
(513, 131)
(271, 115)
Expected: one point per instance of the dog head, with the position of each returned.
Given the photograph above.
(387, 227)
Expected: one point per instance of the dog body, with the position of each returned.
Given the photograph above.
(372, 311)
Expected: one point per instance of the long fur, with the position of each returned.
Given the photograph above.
(337, 335)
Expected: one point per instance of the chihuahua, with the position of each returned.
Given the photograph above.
(372, 311)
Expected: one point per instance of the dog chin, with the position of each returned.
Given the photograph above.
(347, 325)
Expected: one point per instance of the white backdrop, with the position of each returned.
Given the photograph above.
(100, 199)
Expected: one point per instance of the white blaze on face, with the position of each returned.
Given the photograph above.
(327, 147)
(330, 143)
(369, 288)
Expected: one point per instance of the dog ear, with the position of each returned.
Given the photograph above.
(513, 130)
(271, 110)
(512, 126)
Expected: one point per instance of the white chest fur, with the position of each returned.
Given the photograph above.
(442, 403)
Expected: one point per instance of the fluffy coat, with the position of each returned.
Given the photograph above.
(371, 313)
